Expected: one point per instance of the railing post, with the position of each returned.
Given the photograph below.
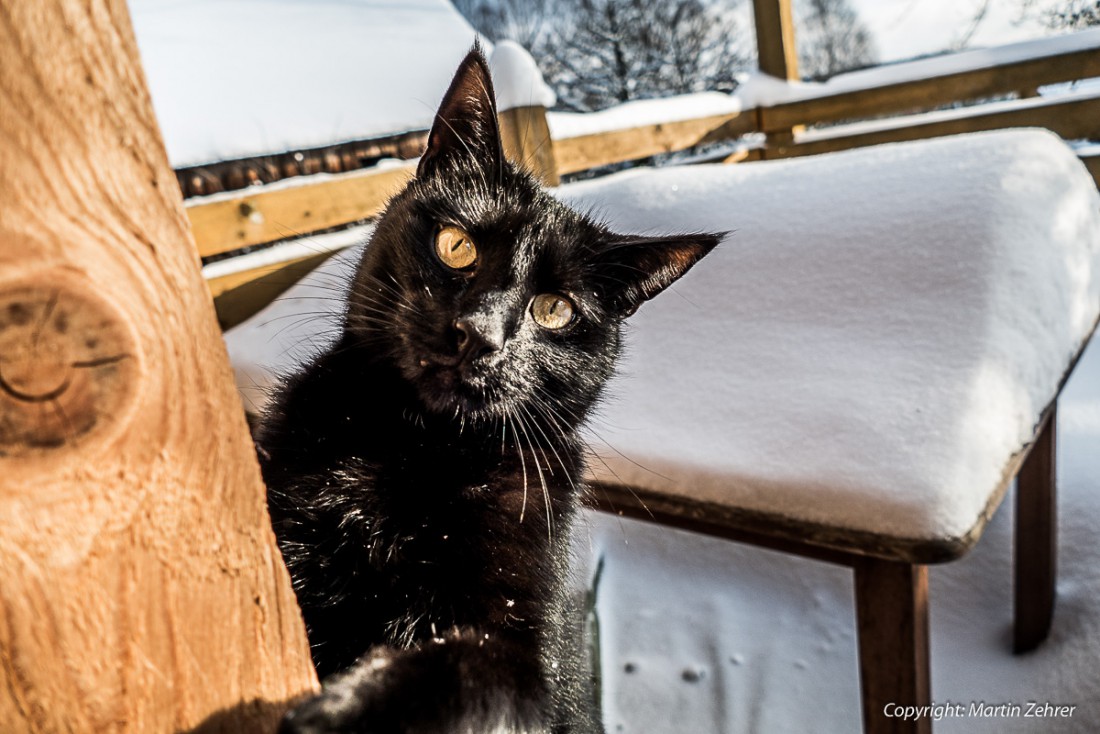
(522, 98)
(777, 55)
(775, 47)
(525, 135)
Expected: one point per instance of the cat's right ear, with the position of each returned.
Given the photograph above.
(632, 270)
(465, 130)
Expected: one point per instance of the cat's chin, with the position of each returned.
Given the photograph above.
(444, 390)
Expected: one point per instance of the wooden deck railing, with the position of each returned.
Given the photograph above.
(906, 104)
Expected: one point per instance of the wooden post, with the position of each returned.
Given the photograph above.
(1036, 547)
(777, 54)
(140, 586)
(892, 622)
(527, 143)
(775, 47)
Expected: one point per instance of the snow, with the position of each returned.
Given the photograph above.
(238, 78)
(643, 112)
(759, 89)
(883, 352)
(920, 297)
(517, 81)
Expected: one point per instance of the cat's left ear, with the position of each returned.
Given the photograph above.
(465, 130)
(632, 270)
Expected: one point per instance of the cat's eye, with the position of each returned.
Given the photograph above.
(552, 311)
(455, 248)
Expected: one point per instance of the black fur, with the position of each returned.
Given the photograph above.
(424, 473)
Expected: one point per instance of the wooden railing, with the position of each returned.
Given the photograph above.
(899, 106)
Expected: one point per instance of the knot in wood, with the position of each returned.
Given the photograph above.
(67, 366)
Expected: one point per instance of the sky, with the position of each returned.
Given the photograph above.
(906, 28)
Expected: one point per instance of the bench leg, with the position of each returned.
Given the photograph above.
(892, 623)
(1036, 541)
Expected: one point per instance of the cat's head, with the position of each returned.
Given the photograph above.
(492, 298)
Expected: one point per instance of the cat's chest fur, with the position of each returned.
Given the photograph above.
(396, 528)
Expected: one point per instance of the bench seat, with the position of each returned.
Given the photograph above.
(864, 360)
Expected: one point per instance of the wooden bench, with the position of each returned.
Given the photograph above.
(859, 381)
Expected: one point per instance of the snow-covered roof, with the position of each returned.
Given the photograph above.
(239, 78)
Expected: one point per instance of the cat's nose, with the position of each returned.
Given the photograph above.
(475, 340)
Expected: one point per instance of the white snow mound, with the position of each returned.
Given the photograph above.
(873, 341)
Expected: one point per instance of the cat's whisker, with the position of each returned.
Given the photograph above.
(532, 423)
(590, 451)
(542, 480)
(522, 463)
(565, 470)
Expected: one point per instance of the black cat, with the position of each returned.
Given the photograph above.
(424, 473)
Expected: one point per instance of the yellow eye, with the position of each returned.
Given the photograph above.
(455, 248)
(552, 311)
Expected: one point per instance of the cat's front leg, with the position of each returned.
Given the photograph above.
(469, 683)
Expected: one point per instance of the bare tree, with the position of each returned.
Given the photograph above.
(1075, 14)
(527, 22)
(618, 50)
(596, 53)
(831, 39)
(1064, 15)
(976, 19)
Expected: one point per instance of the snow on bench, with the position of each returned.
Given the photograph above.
(875, 340)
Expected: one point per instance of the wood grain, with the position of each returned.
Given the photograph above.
(140, 586)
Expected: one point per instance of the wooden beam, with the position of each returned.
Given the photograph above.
(141, 589)
(923, 94)
(615, 146)
(832, 544)
(250, 217)
(1073, 117)
(775, 45)
(526, 138)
